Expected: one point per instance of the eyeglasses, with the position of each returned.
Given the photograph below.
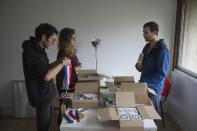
(73, 38)
(52, 39)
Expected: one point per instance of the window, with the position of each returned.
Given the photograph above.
(187, 57)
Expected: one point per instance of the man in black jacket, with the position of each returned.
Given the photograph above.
(39, 73)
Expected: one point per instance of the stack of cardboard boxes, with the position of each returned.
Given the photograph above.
(86, 93)
(129, 96)
(89, 84)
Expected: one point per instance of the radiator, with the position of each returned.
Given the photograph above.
(22, 107)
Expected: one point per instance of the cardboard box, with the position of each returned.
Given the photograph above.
(87, 72)
(86, 88)
(114, 88)
(89, 76)
(127, 99)
(141, 92)
(95, 78)
(119, 79)
(108, 84)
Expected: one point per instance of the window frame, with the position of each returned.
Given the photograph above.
(180, 13)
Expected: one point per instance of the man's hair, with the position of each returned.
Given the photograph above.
(45, 29)
(152, 25)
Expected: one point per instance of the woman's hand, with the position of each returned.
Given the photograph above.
(66, 61)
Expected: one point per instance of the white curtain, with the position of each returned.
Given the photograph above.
(188, 50)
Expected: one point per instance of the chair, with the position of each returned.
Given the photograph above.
(164, 95)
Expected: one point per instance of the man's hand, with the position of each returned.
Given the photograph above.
(139, 66)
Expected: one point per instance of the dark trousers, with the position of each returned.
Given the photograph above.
(43, 113)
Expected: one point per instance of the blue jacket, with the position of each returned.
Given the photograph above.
(155, 66)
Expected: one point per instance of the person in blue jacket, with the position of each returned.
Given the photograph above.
(155, 63)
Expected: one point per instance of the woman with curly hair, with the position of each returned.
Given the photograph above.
(66, 48)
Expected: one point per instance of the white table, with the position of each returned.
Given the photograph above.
(91, 123)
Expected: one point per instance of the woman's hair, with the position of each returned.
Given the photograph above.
(64, 42)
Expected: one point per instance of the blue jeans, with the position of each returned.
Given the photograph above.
(155, 100)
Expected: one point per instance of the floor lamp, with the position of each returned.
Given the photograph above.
(95, 43)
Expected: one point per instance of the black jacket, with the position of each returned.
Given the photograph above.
(35, 67)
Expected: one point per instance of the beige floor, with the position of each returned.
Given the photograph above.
(12, 124)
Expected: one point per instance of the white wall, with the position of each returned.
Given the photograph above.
(118, 23)
(181, 102)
